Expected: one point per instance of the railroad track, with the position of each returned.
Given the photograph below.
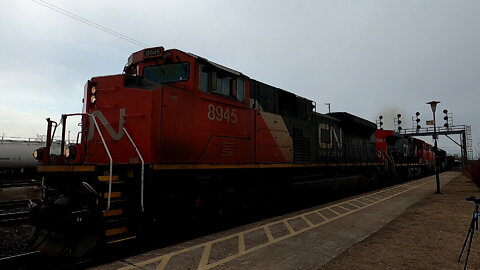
(16, 204)
(39, 260)
(14, 218)
(17, 184)
(13, 262)
(14, 212)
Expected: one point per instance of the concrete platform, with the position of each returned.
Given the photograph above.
(302, 240)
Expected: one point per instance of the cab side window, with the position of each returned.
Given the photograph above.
(204, 83)
(222, 83)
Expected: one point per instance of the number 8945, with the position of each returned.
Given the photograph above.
(220, 114)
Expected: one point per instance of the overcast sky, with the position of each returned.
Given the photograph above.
(368, 58)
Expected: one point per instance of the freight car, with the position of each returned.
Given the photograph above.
(176, 135)
(16, 157)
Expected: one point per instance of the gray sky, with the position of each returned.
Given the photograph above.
(364, 57)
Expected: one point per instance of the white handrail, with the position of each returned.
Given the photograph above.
(108, 153)
(143, 167)
(392, 160)
(111, 163)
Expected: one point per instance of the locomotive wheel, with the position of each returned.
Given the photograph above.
(61, 230)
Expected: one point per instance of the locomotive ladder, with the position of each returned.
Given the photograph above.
(468, 134)
(118, 214)
(120, 219)
(64, 123)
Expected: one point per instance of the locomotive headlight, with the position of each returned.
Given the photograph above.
(70, 152)
(38, 154)
(93, 90)
(93, 99)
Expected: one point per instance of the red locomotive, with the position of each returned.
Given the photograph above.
(397, 150)
(176, 133)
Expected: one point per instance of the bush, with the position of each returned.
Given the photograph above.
(474, 172)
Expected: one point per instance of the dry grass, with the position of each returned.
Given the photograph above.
(429, 235)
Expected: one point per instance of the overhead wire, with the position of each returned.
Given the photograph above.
(90, 23)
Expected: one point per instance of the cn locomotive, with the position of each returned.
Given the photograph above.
(176, 133)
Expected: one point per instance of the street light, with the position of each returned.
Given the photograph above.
(433, 105)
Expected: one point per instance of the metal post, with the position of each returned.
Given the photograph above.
(437, 176)
(46, 156)
(433, 105)
(464, 150)
(64, 128)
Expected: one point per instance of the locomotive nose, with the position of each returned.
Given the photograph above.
(60, 230)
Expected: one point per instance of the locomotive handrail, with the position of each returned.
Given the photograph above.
(89, 188)
(108, 153)
(392, 160)
(143, 167)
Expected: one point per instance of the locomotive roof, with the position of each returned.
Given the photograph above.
(344, 116)
(354, 124)
(326, 116)
(229, 70)
(154, 52)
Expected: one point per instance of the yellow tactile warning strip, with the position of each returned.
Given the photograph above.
(212, 254)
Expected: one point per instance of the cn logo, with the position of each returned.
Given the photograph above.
(115, 135)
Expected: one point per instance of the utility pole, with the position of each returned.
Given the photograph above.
(328, 104)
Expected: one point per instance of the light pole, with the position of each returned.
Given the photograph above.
(433, 105)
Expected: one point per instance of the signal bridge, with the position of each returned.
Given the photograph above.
(464, 131)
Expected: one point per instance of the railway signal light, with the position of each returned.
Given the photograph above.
(445, 118)
(417, 114)
(380, 123)
(399, 122)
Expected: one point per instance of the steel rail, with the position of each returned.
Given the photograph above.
(14, 217)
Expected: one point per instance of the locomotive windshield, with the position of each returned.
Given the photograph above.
(167, 73)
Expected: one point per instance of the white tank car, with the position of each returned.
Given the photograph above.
(18, 153)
